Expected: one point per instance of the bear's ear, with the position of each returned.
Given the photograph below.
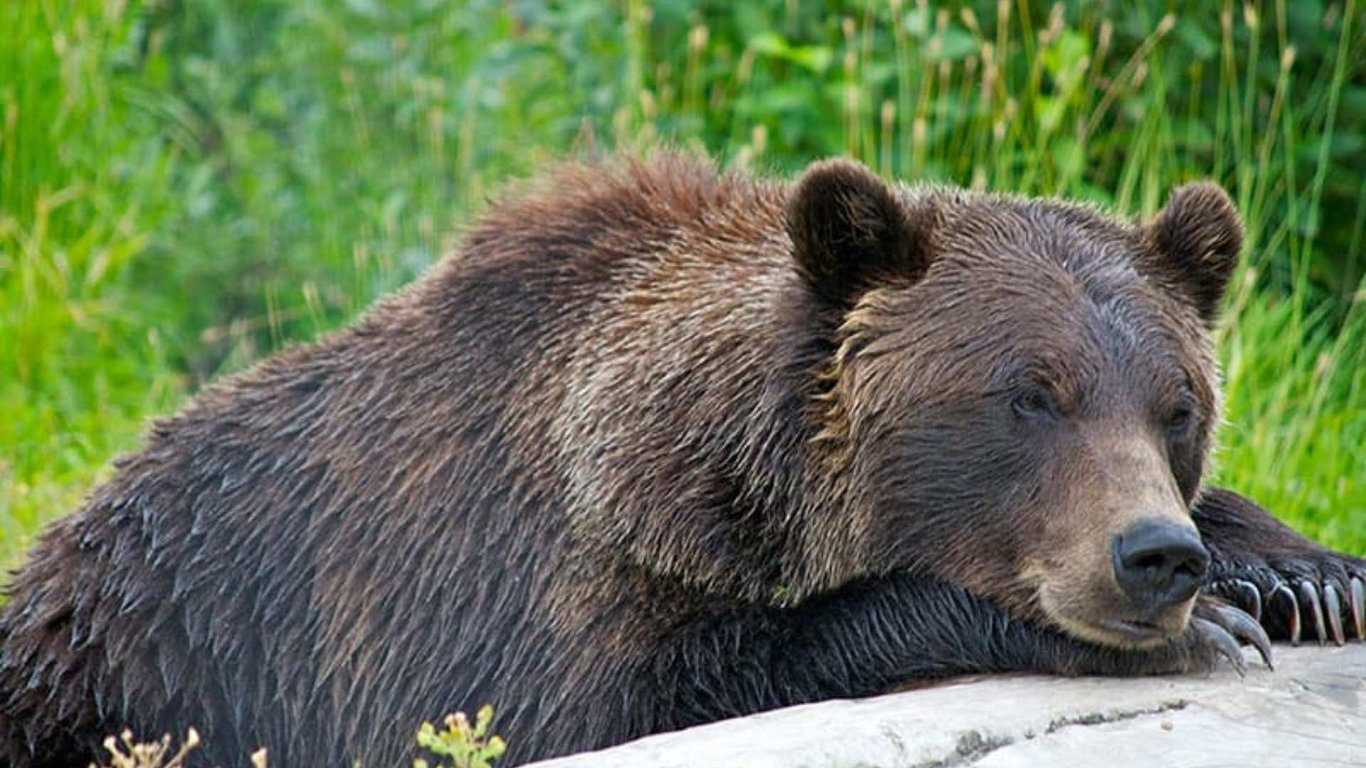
(850, 232)
(1195, 242)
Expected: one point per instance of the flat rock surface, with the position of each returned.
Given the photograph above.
(1310, 711)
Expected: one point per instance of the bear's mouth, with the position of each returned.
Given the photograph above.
(1123, 629)
(1105, 618)
(1134, 634)
(1136, 631)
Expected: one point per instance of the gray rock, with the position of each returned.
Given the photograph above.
(1310, 711)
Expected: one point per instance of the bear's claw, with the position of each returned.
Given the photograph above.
(1334, 610)
(1252, 596)
(1309, 595)
(1224, 643)
(1358, 601)
(1248, 629)
(1300, 587)
(1237, 628)
(1293, 611)
(1332, 606)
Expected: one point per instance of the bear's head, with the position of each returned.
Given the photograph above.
(1021, 393)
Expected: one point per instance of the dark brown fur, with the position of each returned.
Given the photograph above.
(658, 446)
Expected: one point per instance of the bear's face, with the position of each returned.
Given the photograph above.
(1024, 392)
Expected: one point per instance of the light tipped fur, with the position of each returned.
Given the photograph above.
(658, 445)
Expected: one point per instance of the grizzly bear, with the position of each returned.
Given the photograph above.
(662, 445)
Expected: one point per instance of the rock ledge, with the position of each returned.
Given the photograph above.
(1310, 711)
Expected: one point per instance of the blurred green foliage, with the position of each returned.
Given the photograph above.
(187, 185)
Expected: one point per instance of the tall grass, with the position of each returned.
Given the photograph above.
(185, 187)
(81, 355)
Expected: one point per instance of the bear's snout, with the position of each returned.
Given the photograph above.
(1159, 564)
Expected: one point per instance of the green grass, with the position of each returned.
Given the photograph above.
(186, 187)
(81, 355)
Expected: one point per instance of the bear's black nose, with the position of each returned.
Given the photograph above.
(1159, 564)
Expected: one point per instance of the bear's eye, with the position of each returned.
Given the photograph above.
(1181, 417)
(1035, 402)
(1183, 414)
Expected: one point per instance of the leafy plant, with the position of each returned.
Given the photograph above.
(467, 745)
(125, 752)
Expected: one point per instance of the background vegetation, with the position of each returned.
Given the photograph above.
(187, 185)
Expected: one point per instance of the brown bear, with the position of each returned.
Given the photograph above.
(661, 446)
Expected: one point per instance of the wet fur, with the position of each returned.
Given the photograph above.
(599, 469)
